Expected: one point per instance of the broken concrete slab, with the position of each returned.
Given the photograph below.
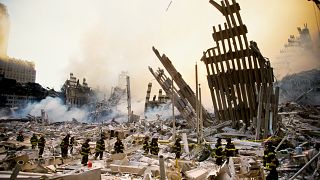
(197, 174)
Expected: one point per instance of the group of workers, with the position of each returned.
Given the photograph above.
(228, 151)
(68, 142)
(151, 147)
(270, 161)
(100, 148)
(41, 142)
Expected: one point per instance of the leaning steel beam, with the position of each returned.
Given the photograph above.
(180, 103)
(184, 89)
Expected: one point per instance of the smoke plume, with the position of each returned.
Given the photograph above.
(299, 54)
(55, 110)
(4, 30)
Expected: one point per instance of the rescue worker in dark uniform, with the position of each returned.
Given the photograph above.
(230, 149)
(269, 150)
(64, 145)
(146, 146)
(71, 144)
(20, 137)
(41, 144)
(271, 165)
(118, 146)
(85, 150)
(218, 152)
(177, 148)
(34, 141)
(154, 148)
(100, 147)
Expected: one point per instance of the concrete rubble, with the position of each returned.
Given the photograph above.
(296, 150)
(292, 128)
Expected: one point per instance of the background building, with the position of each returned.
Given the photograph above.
(16, 95)
(19, 70)
(11, 68)
(76, 94)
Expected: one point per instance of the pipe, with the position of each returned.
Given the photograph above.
(197, 105)
(284, 138)
(162, 169)
(306, 165)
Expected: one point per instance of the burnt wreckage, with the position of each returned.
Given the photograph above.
(239, 77)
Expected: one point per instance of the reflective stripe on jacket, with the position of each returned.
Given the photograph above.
(85, 149)
(34, 140)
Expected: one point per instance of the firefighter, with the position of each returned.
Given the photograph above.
(146, 146)
(269, 150)
(154, 148)
(271, 165)
(218, 152)
(85, 150)
(41, 144)
(230, 149)
(20, 137)
(34, 141)
(118, 146)
(71, 144)
(177, 148)
(100, 147)
(64, 146)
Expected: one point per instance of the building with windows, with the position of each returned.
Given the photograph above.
(19, 70)
(76, 94)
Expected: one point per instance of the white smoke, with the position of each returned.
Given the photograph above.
(163, 112)
(55, 110)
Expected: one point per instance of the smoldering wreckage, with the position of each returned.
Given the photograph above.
(246, 111)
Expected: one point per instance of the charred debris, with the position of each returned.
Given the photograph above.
(250, 108)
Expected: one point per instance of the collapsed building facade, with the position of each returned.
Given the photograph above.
(106, 109)
(76, 94)
(241, 84)
(239, 77)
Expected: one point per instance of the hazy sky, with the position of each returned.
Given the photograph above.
(98, 39)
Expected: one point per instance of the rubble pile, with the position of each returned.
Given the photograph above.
(299, 129)
(249, 137)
